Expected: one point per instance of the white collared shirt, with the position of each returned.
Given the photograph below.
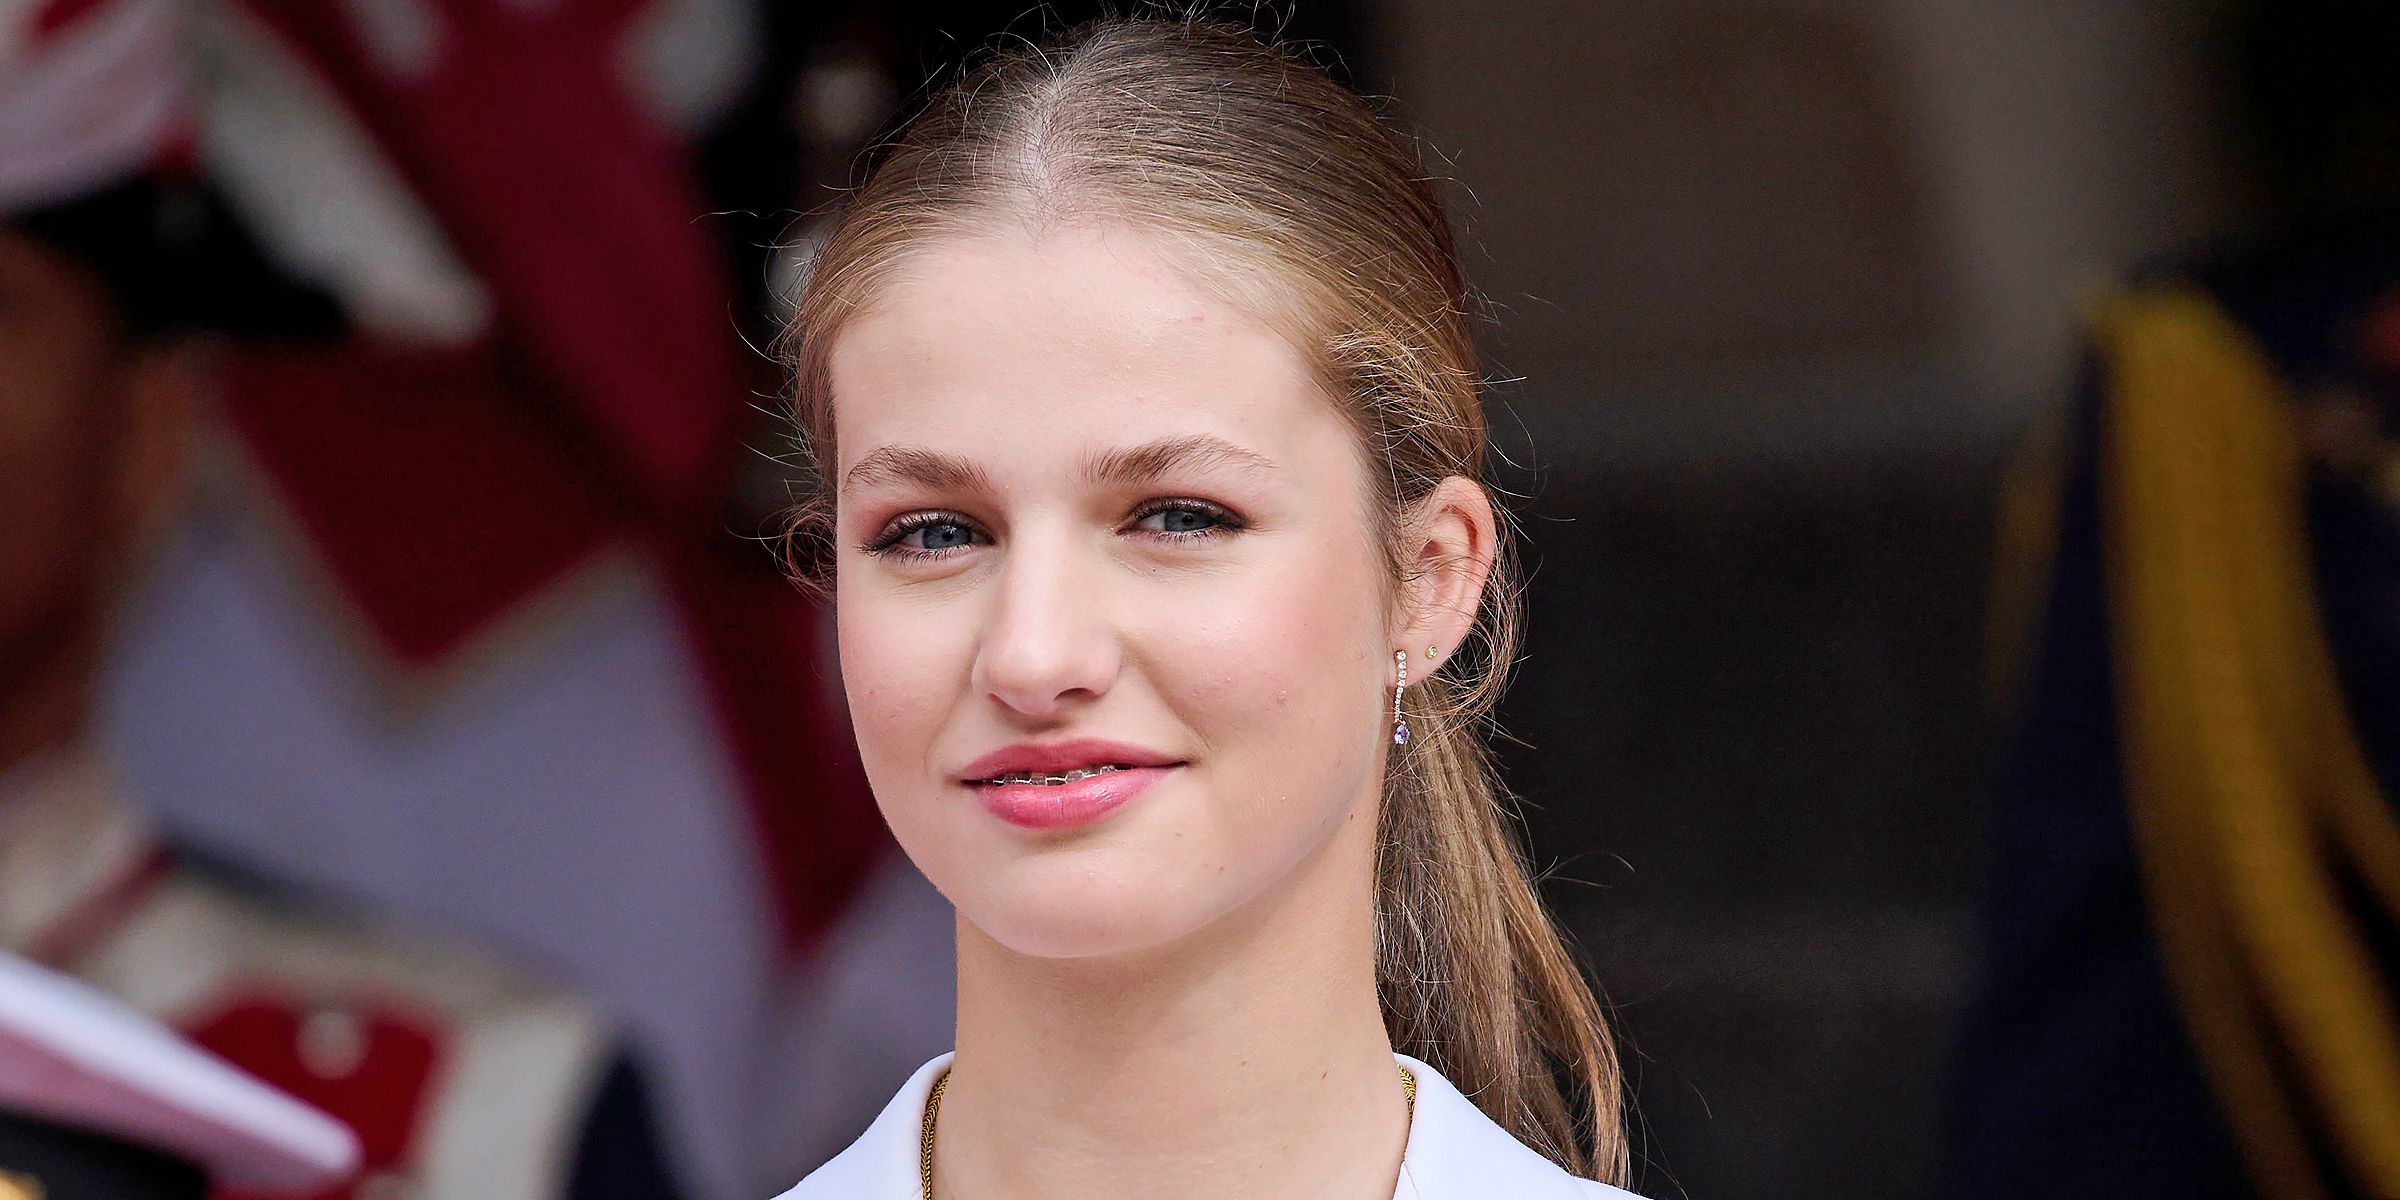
(1454, 1153)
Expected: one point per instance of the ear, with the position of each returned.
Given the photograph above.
(1453, 540)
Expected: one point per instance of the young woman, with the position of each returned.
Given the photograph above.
(1140, 385)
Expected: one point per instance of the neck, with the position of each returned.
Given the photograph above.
(1248, 1062)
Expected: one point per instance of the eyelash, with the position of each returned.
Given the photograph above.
(888, 542)
(1226, 522)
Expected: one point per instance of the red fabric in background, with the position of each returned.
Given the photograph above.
(757, 640)
(380, 1097)
(439, 496)
(58, 14)
(577, 213)
(434, 492)
(444, 487)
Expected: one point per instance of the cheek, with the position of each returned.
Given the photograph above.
(1279, 676)
(901, 679)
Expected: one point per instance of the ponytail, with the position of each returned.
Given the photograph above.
(1475, 979)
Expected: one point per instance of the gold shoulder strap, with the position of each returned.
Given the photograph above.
(2249, 794)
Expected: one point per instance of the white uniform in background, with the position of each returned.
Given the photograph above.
(76, 1060)
(566, 800)
(463, 1075)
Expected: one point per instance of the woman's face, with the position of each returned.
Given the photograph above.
(1113, 617)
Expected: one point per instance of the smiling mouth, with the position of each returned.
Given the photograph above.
(1050, 778)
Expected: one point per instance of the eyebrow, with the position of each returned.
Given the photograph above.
(948, 472)
(1197, 451)
(913, 464)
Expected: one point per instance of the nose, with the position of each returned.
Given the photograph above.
(1049, 646)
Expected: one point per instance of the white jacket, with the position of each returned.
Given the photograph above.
(1454, 1153)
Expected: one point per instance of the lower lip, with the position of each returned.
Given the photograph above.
(1067, 805)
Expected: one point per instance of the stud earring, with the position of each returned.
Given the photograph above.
(1399, 727)
(1429, 653)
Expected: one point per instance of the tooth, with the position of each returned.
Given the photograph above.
(1055, 779)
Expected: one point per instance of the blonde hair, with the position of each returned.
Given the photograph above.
(1283, 180)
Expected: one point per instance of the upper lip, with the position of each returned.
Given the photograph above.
(1063, 756)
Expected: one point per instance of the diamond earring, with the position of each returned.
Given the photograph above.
(1399, 727)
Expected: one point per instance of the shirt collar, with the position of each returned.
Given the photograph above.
(1454, 1152)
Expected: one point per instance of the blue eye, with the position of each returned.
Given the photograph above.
(937, 535)
(925, 534)
(1186, 518)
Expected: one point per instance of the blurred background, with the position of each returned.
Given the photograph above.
(387, 563)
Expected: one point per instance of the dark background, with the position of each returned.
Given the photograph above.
(1778, 290)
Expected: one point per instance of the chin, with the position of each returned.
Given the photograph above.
(1064, 908)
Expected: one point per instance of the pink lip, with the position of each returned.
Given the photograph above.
(1066, 805)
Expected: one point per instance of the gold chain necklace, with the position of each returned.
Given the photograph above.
(933, 1107)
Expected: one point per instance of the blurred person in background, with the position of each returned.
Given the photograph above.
(97, 1102)
(460, 1072)
(2193, 973)
(461, 625)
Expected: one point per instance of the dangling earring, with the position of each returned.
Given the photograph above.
(1399, 727)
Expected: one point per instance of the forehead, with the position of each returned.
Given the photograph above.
(1073, 335)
